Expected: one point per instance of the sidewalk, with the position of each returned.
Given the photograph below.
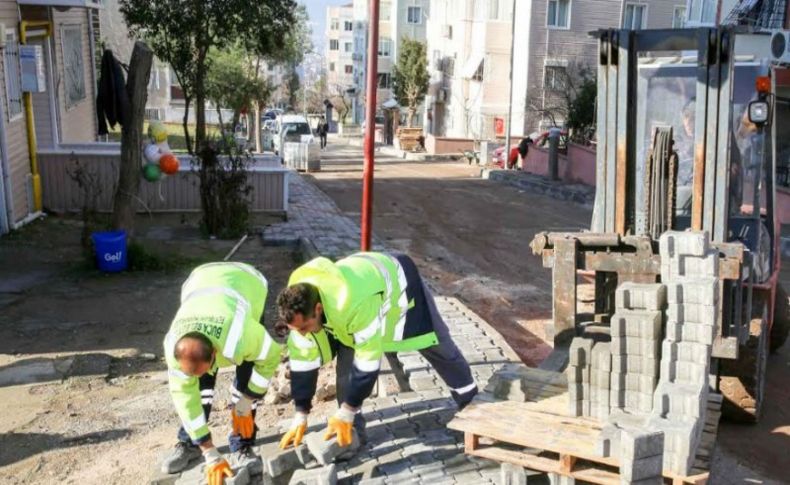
(407, 439)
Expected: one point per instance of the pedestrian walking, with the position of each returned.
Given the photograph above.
(323, 129)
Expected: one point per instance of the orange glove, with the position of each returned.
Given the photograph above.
(341, 425)
(243, 422)
(296, 432)
(217, 468)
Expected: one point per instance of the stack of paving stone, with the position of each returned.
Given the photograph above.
(636, 329)
(689, 268)
(589, 374)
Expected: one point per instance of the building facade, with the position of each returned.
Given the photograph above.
(62, 108)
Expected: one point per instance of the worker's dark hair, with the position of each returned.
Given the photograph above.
(206, 352)
(299, 298)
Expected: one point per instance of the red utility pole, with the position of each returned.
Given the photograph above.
(370, 124)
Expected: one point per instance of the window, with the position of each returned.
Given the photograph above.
(703, 12)
(348, 47)
(384, 11)
(385, 47)
(331, 67)
(385, 80)
(335, 25)
(635, 16)
(334, 45)
(349, 69)
(74, 77)
(13, 83)
(554, 78)
(348, 26)
(479, 74)
(153, 81)
(679, 17)
(414, 15)
(559, 13)
(493, 10)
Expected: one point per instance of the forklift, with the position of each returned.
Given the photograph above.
(690, 124)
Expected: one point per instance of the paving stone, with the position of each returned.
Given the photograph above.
(276, 461)
(326, 451)
(641, 468)
(640, 296)
(372, 481)
(512, 474)
(602, 357)
(580, 352)
(636, 323)
(692, 313)
(641, 443)
(318, 476)
(423, 383)
(673, 244)
(241, 476)
(701, 292)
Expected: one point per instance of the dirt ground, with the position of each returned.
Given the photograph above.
(471, 237)
(83, 395)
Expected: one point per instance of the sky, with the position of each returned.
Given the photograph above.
(316, 9)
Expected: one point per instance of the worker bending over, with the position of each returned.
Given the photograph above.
(218, 325)
(356, 309)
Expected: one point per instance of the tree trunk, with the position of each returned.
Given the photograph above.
(185, 124)
(257, 127)
(221, 121)
(200, 103)
(132, 139)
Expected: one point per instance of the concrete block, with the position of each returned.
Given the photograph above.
(640, 296)
(675, 400)
(640, 443)
(641, 468)
(636, 323)
(325, 451)
(602, 356)
(557, 479)
(690, 332)
(317, 476)
(512, 474)
(276, 461)
(598, 333)
(617, 398)
(599, 379)
(692, 313)
(691, 373)
(577, 392)
(635, 364)
(241, 476)
(704, 291)
(693, 352)
(672, 244)
(692, 267)
(575, 407)
(580, 352)
(508, 386)
(608, 441)
(645, 347)
(667, 371)
(578, 374)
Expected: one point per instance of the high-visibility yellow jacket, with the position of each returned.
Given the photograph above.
(224, 302)
(365, 306)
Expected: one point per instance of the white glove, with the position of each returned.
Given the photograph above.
(345, 414)
(243, 406)
(212, 456)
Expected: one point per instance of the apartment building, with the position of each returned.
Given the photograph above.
(339, 49)
(398, 19)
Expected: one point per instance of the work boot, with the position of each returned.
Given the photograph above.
(178, 460)
(245, 457)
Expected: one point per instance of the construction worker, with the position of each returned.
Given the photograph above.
(356, 309)
(218, 325)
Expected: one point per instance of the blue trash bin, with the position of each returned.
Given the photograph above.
(110, 250)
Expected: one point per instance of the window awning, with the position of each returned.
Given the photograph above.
(472, 65)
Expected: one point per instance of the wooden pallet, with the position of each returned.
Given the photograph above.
(565, 445)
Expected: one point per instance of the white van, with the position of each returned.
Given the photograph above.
(291, 128)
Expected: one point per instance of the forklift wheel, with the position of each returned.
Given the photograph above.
(742, 381)
(781, 325)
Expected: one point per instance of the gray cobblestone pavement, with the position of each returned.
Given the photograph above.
(532, 183)
(407, 438)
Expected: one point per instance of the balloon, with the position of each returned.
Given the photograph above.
(164, 147)
(168, 163)
(152, 173)
(157, 131)
(152, 153)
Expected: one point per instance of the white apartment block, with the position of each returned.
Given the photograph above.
(398, 19)
(339, 49)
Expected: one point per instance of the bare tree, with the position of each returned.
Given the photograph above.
(565, 95)
(342, 101)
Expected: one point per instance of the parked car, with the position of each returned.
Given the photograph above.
(291, 128)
